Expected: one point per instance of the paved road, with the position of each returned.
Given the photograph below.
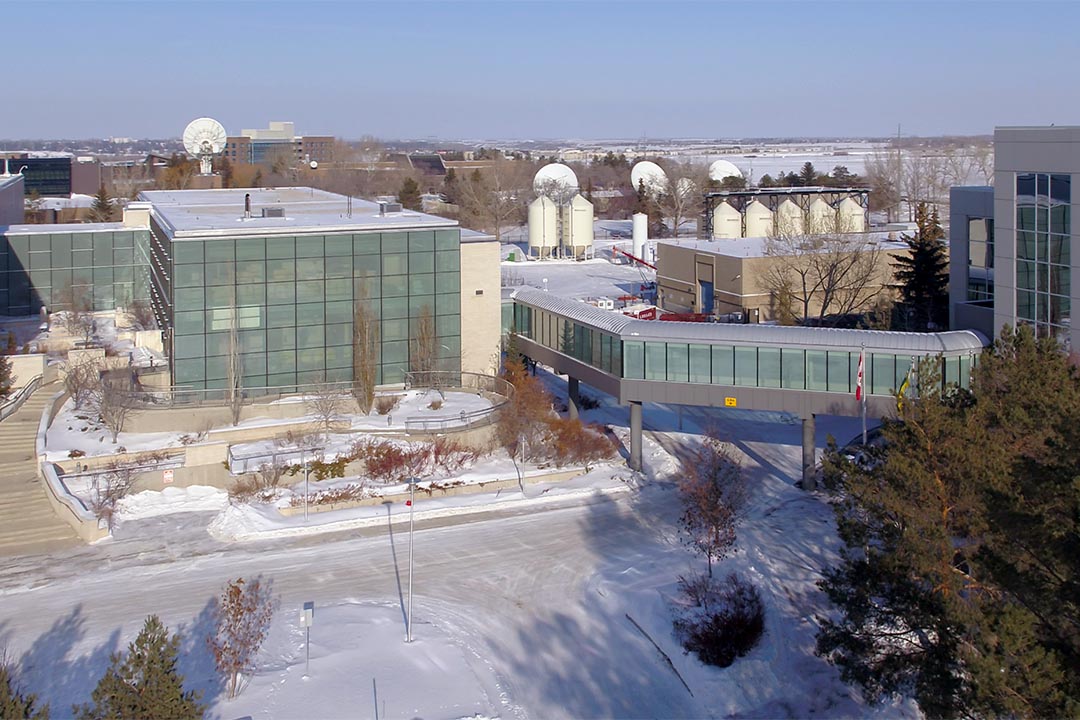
(514, 589)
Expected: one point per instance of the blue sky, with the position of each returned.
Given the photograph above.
(538, 70)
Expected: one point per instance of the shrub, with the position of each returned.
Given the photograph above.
(76, 454)
(719, 623)
(386, 403)
(260, 486)
(242, 620)
(572, 442)
(389, 462)
(435, 405)
(449, 455)
(329, 496)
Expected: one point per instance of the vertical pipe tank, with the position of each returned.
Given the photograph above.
(640, 235)
(543, 227)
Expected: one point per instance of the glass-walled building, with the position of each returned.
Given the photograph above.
(289, 275)
(48, 265)
(751, 356)
(1035, 243)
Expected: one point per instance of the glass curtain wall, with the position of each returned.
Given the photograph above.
(1043, 277)
(292, 300)
(106, 267)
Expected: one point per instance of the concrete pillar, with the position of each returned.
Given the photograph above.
(635, 435)
(809, 466)
(573, 398)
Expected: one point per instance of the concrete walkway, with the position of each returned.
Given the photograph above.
(28, 523)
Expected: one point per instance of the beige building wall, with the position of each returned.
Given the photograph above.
(481, 317)
(739, 284)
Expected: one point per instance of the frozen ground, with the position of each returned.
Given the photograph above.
(520, 612)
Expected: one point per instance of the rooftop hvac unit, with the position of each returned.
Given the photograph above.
(273, 212)
(389, 207)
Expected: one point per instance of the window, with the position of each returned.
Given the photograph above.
(746, 366)
(655, 361)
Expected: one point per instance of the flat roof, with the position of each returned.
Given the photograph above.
(46, 229)
(757, 247)
(220, 213)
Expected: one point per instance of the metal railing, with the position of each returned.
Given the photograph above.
(443, 380)
(185, 396)
(16, 402)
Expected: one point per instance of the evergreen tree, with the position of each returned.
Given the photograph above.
(14, 704)
(808, 175)
(958, 582)
(102, 209)
(451, 189)
(144, 683)
(409, 195)
(923, 274)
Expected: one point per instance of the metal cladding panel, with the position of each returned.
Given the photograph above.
(759, 220)
(954, 341)
(727, 222)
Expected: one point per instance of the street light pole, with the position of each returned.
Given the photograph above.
(306, 484)
(412, 509)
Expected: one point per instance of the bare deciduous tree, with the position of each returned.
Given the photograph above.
(107, 489)
(81, 382)
(78, 311)
(425, 349)
(114, 404)
(713, 493)
(242, 620)
(494, 196)
(365, 347)
(234, 370)
(820, 274)
(680, 196)
(326, 403)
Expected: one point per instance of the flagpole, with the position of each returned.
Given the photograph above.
(862, 387)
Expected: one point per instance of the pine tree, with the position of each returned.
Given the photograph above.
(144, 683)
(102, 210)
(808, 175)
(923, 274)
(14, 704)
(409, 195)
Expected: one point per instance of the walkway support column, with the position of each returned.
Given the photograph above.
(573, 397)
(635, 435)
(809, 466)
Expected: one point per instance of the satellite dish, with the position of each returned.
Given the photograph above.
(723, 169)
(203, 138)
(554, 178)
(649, 173)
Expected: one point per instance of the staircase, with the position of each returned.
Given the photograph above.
(28, 523)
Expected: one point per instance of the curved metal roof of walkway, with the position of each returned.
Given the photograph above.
(628, 328)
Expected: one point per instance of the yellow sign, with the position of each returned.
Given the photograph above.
(730, 402)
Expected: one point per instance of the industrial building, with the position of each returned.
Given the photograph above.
(766, 212)
(285, 269)
(731, 277)
(561, 229)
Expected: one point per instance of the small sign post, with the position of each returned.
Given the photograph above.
(167, 476)
(307, 617)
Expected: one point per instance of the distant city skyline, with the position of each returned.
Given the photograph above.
(518, 71)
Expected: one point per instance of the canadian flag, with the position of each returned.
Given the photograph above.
(859, 378)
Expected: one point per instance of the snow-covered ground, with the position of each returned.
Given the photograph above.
(520, 608)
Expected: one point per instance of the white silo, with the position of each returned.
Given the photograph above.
(577, 227)
(759, 220)
(789, 219)
(852, 216)
(640, 234)
(726, 222)
(823, 219)
(543, 227)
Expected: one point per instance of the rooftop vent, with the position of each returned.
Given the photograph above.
(389, 207)
(273, 212)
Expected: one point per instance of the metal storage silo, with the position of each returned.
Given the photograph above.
(727, 222)
(823, 219)
(789, 219)
(759, 220)
(543, 227)
(852, 216)
(577, 227)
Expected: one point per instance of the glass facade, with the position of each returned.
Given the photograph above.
(980, 284)
(292, 300)
(1043, 220)
(105, 266)
(717, 364)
